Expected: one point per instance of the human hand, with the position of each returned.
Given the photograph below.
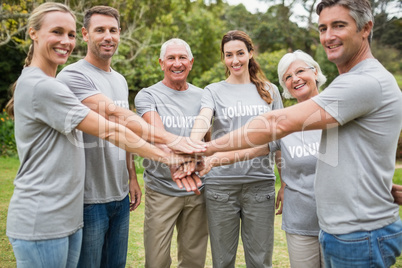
(186, 145)
(190, 182)
(135, 194)
(396, 192)
(185, 177)
(279, 200)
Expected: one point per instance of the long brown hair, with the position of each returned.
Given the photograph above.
(35, 21)
(257, 77)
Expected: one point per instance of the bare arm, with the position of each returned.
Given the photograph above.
(134, 187)
(202, 124)
(227, 158)
(96, 125)
(280, 196)
(106, 107)
(274, 125)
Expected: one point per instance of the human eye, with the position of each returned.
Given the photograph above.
(228, 55)
(287, 77)
(339, 25)
(300, 71)
(72, 35)
(322, 29)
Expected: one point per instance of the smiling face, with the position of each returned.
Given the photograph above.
(343, 43)
(103, 37)
(54, 41)
(176, 66)
(237, 58)
(300, 80)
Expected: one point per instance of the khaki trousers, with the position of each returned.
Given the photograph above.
(304, 251)
(162, 214)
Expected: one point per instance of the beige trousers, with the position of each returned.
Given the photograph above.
(304, 251)
(162, 214)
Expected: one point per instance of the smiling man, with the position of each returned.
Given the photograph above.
(110, 174)
(172, 104)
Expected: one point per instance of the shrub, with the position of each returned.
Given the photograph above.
(8, 146)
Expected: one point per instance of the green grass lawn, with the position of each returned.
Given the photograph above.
(135, 258)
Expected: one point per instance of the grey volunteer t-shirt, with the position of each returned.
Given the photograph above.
(48, 189)
(106, 175)
(299, 159)
(233, 105)
(357, 159)
(177, 110)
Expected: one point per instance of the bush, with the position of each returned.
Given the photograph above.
(7, 138)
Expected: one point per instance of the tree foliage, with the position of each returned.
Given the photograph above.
(146, 24)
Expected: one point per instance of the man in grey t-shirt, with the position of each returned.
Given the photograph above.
(360, 113)
(172, 104)
(110, 173)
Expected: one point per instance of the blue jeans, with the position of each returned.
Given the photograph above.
(58, 253)
(246, 208)
(105, 234)
(365, 249)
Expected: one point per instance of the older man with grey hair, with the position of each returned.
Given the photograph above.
(172, 104)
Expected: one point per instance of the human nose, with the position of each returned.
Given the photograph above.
(65, 39)
(177, 62)
(108, 35)
(295, 77)
(235, 59)
(329, 34)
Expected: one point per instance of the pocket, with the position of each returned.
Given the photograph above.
(390, 247)
(217, 196)
(346, 250)
(265, 196)
(88, 208)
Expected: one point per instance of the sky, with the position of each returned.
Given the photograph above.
(261, 6)
(251, 5)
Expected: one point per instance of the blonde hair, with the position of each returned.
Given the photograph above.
(35, 21)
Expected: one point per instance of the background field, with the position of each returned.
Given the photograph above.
(8, 169)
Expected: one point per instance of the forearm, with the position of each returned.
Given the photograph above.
(274, 125)
(96, 125)
(202, 124)
(104, 106)
(146, 131)
(227, 158)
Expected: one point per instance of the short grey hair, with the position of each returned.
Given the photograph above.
(359, 10)
(175, 41)
(288, 59)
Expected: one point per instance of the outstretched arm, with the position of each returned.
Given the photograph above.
(106, 107)
(98, 126)
(274, 125)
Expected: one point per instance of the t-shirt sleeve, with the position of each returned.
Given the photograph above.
(207, 100)
(350, 96)
(274, 146)
(144, 102)
(277, 100)
(80, 84)
(55, 105)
